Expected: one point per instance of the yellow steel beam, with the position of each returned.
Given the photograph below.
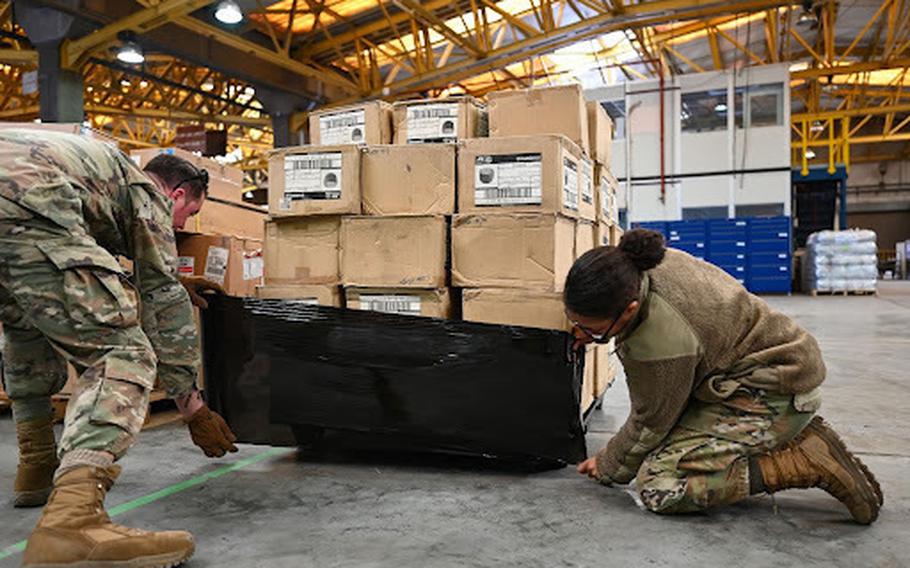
(741, 47)
(176, 115)
(73, 51)
(683, 58)
(870, 139)
(845, 53)
(859, 67)
(19, 56)
(255, 50)
(716, 55)
(440, 26)
(826, 115)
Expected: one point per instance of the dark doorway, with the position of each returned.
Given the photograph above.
(815, 204)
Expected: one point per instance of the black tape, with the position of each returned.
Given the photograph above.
(503, 392)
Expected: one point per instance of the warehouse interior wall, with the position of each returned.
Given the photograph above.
(890, 226)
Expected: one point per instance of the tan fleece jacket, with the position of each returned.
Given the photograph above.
(698, 327)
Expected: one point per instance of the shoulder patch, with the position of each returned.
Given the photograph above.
(664, 335)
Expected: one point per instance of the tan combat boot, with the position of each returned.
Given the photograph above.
(37, 462)
(818, 458)
(75, 530)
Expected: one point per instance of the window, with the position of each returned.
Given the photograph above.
(704, 111)
(763, 105)
(617, 112)
(699, 213)
(760, 210)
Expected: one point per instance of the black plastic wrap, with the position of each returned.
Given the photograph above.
(496, 391)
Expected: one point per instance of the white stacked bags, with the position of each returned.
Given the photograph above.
(841, 261)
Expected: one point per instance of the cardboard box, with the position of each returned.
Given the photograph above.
(616, 234)
(222, 218)
(602, 234)
(585, 237)
(235, 263)
(540, 110)
(394, 252)
(600, 133)
(403, 301)
(439, 120)
(363, 123)
(518, 250)
(314, 180)
(607, 187)
(303, 251)
(589, 379)
(313, 295)
(225, 181)
(509, 306)
(533, 174)
(605, 370)
(408, 180)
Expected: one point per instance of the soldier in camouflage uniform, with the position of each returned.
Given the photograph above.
(68, 206)
(724, 389)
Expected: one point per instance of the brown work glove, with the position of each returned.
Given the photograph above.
(195, 285)
(210, 432)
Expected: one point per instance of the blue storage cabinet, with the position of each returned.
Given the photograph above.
(728, 241)
(757, 251)
(770, 262)
(689, 236)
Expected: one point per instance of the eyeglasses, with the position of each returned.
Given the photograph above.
(201, 176)
(601, 338)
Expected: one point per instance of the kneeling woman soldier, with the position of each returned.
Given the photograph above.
(723, 388)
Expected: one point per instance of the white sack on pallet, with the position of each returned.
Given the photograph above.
(841, 261)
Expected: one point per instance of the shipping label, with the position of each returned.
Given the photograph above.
(587, 179)
(432, 123)
(347, 127)
(569, 183)
(311, 176)
(510, 179)
(252, 267)
(216, 263)
(391, 303)
(186, 265)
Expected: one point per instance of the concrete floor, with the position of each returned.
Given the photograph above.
(281, 512)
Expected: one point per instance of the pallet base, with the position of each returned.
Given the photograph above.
(843, 293)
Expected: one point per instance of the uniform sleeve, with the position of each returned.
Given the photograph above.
(167, 314)
(659, 391)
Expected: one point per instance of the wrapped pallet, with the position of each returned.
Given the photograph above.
(841, 261)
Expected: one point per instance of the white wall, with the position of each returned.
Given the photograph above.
(695, 153)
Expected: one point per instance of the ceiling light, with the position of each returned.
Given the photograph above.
(143, 83)
(130, 52)
(817, 126)
(810, 154)
(228, 12)
(721, 107)
(248, 195)
(125, 83)
(207, 86)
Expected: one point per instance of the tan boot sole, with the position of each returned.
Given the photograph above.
(159, 561)
(25, 499)
(846, 459)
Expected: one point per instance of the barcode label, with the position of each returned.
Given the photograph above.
(216, 262)
(570, 183)
(391, 304)
(343, 128)
(252, 267)
(428, 123)
(511, 179)
(186, 265)
(311, 176)
(587, 178)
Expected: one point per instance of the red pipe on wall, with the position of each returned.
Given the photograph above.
(663, 182)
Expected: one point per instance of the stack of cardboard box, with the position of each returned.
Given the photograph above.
(445, 222)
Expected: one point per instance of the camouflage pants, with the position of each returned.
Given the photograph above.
(704, 461)
(64, 298)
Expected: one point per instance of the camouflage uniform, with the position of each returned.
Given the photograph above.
(68, 205)
(703, 462)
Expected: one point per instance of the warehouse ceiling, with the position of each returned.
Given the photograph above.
(849, 59)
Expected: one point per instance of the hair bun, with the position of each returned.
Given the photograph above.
(643, 248)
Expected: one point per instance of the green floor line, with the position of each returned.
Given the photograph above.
(170, 490)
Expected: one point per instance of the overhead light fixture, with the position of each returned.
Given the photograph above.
(810, 154)
(807, 18)
(721, 107)
(125, 83)
(228, 12)
(248, 195)
(143, 83)
(207, 86)
(131, 53)
(817, 126)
